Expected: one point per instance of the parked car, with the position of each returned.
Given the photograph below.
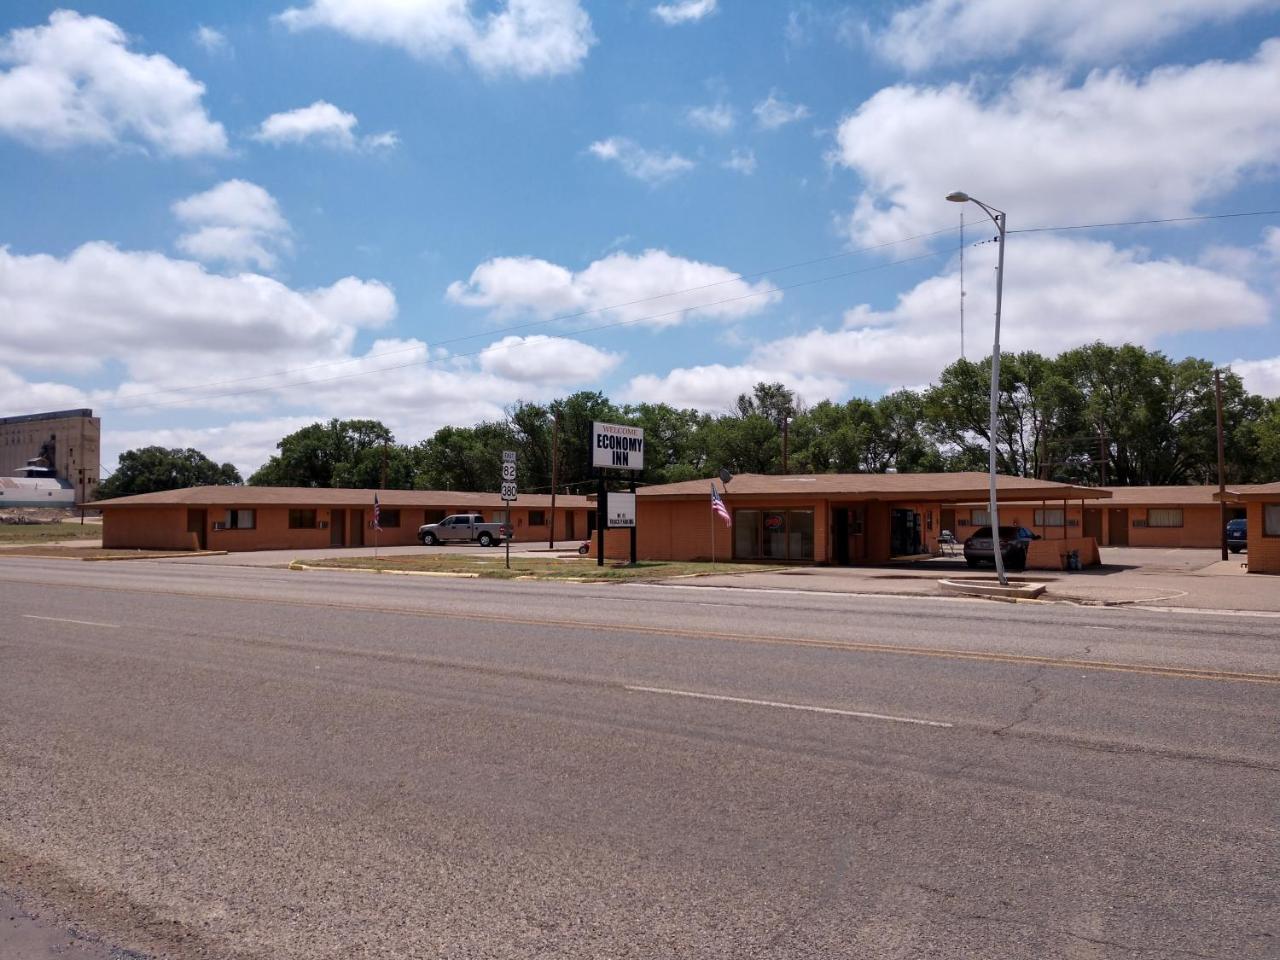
(1014, 542)
(463, 528)
(1237, 535)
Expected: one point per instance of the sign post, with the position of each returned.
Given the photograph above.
(615, 447)
(509, 495)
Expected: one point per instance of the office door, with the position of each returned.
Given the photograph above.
(1117, 527)
(357, 528)
(197, 523)
(337, 528)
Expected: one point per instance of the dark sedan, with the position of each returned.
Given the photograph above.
(1014, 542)
(1237, 535)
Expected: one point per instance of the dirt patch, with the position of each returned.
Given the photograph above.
(533, 568)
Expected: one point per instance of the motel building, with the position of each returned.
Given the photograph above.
(1261, 503)
(841, 519)
(1164, 516)
(306, 518)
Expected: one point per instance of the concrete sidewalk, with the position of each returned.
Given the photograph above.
(1166, 581)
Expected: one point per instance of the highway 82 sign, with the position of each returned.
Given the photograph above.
(508, 475)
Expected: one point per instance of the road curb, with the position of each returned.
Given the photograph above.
(295, 565)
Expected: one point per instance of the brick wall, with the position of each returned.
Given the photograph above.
(1264, 551)
(157, 528)
(1200, 525)
(165, 528)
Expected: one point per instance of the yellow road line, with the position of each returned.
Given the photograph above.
(850, 646)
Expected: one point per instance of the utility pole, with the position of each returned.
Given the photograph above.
(382, 482)
(786, 420)
(1222, 466)
(555, 461)
(1102, 457)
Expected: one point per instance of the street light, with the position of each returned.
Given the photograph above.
(998, 217)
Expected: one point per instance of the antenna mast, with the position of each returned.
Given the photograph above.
(962, 283)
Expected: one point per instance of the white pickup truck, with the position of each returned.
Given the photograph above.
(463, 528)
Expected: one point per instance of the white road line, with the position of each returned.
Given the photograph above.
(83, 623)
(789, 706)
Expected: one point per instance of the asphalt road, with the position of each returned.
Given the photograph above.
(226, 762)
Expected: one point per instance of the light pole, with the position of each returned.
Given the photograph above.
(998, 217)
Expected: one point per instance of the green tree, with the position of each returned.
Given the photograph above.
(340, 453)
(1038, 423)
(149, 469)
(673, 451)
(462, 458)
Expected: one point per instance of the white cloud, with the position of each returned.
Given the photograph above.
(645, 287)
(937, 32)
(528, 38)
(651, 166)
(1260, 376)
(323, 123)
(1059, 293)
(715, 387)
(172, 339)
(75, 81)
(717, 118)
(742, 160)
(773, 112)
(168, 322)
(213, 41)
(236, 222)
(1112, 148)
(684, 11)
(543, 359)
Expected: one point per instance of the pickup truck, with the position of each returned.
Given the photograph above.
(463, 527)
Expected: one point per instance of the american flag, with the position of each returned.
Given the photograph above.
(717, 506)
(377, 513)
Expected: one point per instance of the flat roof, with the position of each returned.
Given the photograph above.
(248, 496)
(51, 415)
(941, 487)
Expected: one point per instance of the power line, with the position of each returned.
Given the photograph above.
(598, 310)
(1140, 223)
(495, 348)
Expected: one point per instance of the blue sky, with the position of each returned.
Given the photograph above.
(223, 221)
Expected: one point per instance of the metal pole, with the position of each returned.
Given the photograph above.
(602, 497)
(962, 283)
(995, 402)
(1222, 466)
(634, 525)
(555, 456)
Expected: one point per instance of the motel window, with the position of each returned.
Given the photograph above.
(1271, 519)
(302, 519)
(1051, 518)
(773, 534)
(241, 519)
(1164, 517)
(388, 519)
(432, 516)
(537, 518)
(980, 518)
